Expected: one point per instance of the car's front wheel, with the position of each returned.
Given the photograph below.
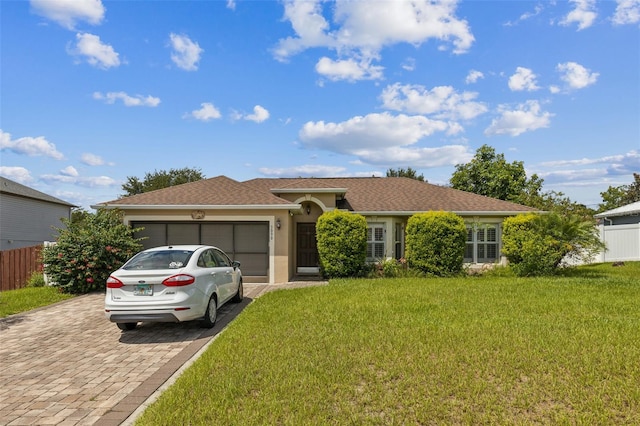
(210, 316)
(237, 298)
(126, 326)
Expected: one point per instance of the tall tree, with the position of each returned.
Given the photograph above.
(160, 179)
(618, 196)
(491, 175)
(409, 172)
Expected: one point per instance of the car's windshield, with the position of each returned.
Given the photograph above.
(163, 259)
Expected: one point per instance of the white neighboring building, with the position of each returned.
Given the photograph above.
(620, 231)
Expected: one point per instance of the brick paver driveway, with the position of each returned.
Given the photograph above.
(66, 364)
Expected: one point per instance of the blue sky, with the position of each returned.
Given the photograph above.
(95, 91)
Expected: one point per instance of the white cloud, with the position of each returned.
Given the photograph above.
(620, 164)
(127, 100)
(554, 89)
(207, 112)
(576, 76)
(18, 174)
(91, 159)
(627, 12)
(473, 76)
(523, 79)
(409, 64)
(68, 12)
(382, 139)
(87, 182)
(348, 69)
(442, 102)
(307, 170)
(69, 171)
(33, 147)
(186, 53)
(362, 31)
(583, 14)
(308, 24)
(527, 117)
(96, 53)
(231, 4)
(525, 16)
(259, 115)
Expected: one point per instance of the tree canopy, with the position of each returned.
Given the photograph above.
(618, 196)
(160, 179)
(491, 175)
(408, 172)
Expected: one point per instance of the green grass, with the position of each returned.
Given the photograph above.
(25, 299)
(481, 350)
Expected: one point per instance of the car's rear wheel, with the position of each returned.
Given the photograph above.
(126, 326)
(239, 294)
(210, 316)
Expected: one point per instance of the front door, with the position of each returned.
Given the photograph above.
(307, 252)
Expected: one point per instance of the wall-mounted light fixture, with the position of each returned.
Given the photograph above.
(308, 208)
(278, 224)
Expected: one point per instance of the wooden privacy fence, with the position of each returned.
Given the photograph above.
(17, 265)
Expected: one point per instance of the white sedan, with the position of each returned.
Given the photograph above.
(172, 284)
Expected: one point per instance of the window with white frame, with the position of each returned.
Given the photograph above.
(482, 243)
(375, 241)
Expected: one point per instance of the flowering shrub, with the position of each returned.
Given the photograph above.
(88, 250)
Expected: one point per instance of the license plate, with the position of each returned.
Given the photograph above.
(143, 290)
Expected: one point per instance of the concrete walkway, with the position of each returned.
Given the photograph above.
(66, 364)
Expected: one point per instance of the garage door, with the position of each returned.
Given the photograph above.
(246, 242)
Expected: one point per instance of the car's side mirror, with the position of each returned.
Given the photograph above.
(235, 264)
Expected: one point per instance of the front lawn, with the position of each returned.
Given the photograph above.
(481, 350)
(25, 299)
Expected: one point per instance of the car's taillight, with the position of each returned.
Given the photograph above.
(113, 282)
(179, 280)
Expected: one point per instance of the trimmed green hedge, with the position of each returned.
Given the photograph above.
(435, 243)
(342, 243)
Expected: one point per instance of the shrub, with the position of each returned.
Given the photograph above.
(536, 244)
(342, 243)
(530, 252)
(88, 250)
(435, 243)
(36, 280)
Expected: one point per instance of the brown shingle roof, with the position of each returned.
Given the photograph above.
(217, 191)
(390, 194)
(396, 194)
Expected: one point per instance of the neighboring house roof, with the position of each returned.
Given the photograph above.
(218, 191)
(628, 210)
(372, 195)
(7, 186)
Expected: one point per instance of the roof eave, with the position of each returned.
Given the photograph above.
(460, 213)
(196, 207)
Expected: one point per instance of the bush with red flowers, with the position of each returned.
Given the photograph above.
(88, 249)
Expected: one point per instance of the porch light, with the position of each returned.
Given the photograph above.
(308, 208)
(278, 224)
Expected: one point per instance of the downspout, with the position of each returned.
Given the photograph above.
(604, 252)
